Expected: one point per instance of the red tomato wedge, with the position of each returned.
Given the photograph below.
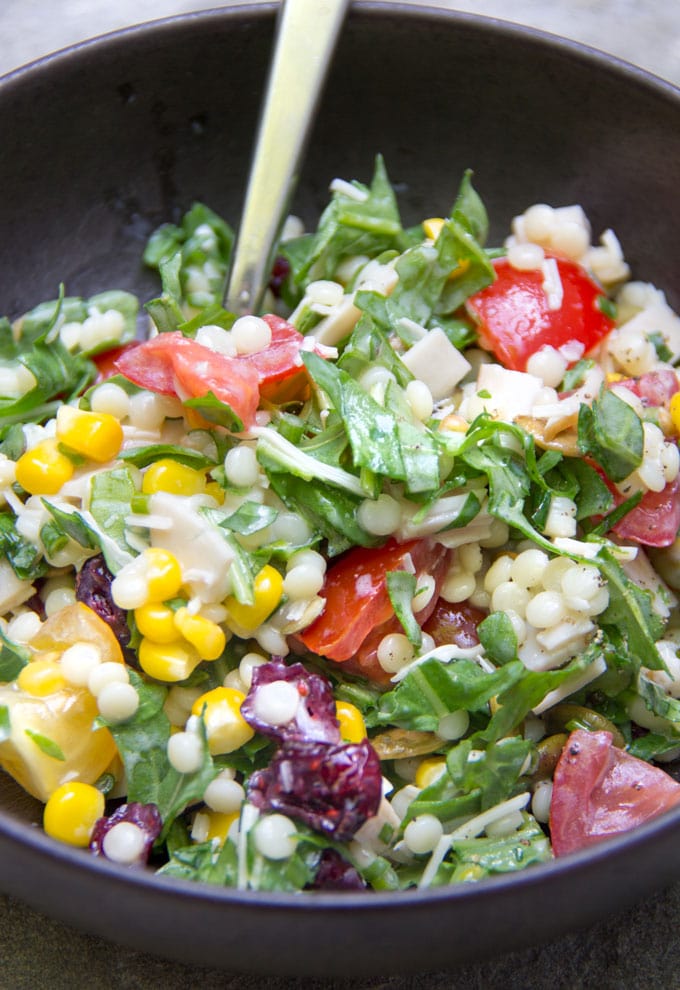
(357, 599)
(514, 319)
(654, 388)
(655, 520)
(172, 364)
(176, 365)
(600, 791)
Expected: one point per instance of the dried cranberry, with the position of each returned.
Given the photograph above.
(93, 588)
(315, 717)
(280, 273)
(335, 873)
(145, 816)
(333, 788)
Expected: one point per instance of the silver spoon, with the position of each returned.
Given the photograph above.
(306, 34)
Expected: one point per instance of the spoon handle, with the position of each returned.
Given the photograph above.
(307, 31)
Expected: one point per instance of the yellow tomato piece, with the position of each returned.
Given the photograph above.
(77, 624)
(52, 739)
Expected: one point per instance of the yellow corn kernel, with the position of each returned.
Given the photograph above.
(43, 469)
(454, 424)
(225, 727)
(40, 678)
(215, 491)
(268, 590)
(170, 476)
(615, 376)
(72, 811)
(168, 662)
(157, 622)
(352, 726)
(98, 436)
(204, 635)
(430, 770)
(219, 825)
(163, 574)
(432, 227)
(674, 409)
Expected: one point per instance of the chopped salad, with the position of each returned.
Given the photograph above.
(376, 590)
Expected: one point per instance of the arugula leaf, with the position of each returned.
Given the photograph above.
(13, 658)
(530, 688)
(497, 636)
(366, 222)
(501, 854)
(202, 243)
(658, 701)
(141, 457)
(111, 495)
(631, 612)
(25, 559)
(142, 742)
(611, 433)
(401, 587)
(469, 209)
(432, 689)
(215, 411)
(381, 442)
(205, 862)
(249, 518)
(330, 512)
(476, 778)
(72, 525)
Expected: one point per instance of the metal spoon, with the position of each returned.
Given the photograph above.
(307, 31)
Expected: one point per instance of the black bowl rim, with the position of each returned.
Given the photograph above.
(615, 850)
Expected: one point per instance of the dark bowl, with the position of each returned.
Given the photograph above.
(102, 143)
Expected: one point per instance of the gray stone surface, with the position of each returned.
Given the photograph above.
(639, 948)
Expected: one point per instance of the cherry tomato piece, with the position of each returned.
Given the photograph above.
(357, 599)
(515, 320)
(600, 791)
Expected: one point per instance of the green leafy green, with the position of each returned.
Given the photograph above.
(46, 745)
(611, 433)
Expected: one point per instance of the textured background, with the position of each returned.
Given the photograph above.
(639, 948)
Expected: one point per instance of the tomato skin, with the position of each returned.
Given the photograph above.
(357, 600)
(514, 319)
(172, 364)
(600, 791)
(106, 361)
(653, 388)
(454, 623)
(655, 520)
